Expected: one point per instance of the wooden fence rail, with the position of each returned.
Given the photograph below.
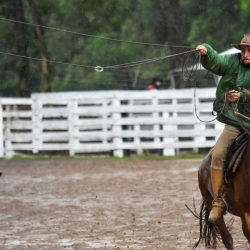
(108, 121)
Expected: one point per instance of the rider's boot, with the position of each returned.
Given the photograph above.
(218, 205)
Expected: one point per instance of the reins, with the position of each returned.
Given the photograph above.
(239, 116)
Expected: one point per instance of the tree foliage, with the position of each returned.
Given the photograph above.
(173, 22)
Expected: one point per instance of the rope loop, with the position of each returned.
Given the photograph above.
(99, 69)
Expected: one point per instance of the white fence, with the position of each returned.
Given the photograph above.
(108, 121)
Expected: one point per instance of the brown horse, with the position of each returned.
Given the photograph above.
(237, 197)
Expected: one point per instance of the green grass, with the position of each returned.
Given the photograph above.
(144, 157)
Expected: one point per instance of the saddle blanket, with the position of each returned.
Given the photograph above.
(234, 156)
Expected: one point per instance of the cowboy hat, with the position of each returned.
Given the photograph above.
(244, 41)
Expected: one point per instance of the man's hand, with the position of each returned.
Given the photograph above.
(233, 96)
(202, 50)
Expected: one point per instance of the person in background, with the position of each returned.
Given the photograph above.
(235, 72)
(155, 84)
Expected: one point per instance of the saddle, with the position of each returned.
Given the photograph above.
(234, 156)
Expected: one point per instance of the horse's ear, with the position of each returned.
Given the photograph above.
(247, 94)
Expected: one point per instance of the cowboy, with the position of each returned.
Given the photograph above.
(234, 70)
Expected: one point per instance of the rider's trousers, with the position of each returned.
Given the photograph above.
(222, 145)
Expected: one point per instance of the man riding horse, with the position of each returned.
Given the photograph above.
(235, 72)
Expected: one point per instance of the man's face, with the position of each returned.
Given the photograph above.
(158, 83)
(245, 55)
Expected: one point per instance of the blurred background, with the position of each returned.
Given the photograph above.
(96, 32)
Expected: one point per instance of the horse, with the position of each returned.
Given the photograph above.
(237, 198)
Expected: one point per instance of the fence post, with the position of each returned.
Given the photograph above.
(104, 124)
(37, 124)
(8, 144)
(168, 140)
(168, 129)
(116, 116)
(156, 116)
(72, 118)
(201, 139)
(139, 149)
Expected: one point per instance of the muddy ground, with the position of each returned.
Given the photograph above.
(100, 204)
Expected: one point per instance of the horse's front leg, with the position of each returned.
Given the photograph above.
(245, 218)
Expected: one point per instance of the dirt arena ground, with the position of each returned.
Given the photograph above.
(100, 204)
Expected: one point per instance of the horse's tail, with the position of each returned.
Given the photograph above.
(208, 231)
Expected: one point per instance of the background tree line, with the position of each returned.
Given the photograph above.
(172, 22)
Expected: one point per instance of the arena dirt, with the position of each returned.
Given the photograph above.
(101, 204)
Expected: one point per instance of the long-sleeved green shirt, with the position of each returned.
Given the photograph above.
(234, 75)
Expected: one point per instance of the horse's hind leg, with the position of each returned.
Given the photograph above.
(246, 225)
(225, 234)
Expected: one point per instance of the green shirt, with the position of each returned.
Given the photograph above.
(234, 75)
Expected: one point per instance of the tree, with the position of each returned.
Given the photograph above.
(218, 23)
(21, 47)
(39, 34)
(173, 22)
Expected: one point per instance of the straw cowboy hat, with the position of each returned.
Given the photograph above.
(244, 41)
